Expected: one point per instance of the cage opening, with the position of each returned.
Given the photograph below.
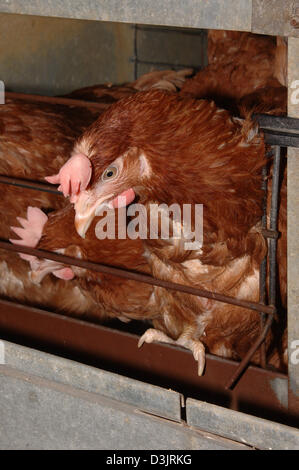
(284, 136)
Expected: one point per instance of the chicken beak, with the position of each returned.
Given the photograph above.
(83, 221)
(86, 208)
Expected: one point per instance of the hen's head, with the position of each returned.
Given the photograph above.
(164, 148)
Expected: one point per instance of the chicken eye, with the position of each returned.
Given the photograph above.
(110, 173)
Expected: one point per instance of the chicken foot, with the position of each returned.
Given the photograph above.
(196, 347)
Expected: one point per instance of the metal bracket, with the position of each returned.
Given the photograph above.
(279, 130)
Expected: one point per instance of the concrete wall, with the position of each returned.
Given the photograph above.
(54, 55)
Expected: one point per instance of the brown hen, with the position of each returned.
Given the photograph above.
(35, 140)
(242, 64)
(168, 80)
(168, 149)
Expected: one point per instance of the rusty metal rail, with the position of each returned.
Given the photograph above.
(56, 100)
(29, 184)
(135, 276)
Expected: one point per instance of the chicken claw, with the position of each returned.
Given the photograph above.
(73, 176)
(196, 347)
(151, 335)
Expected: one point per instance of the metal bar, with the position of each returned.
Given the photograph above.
(56, 100)
(272, 269)
(279, 130)
(28, 184)
(136, 277)
(284, 140)
(262, 299)
(277, 123)
(263, 267)
(273, 226)
(246, 360)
